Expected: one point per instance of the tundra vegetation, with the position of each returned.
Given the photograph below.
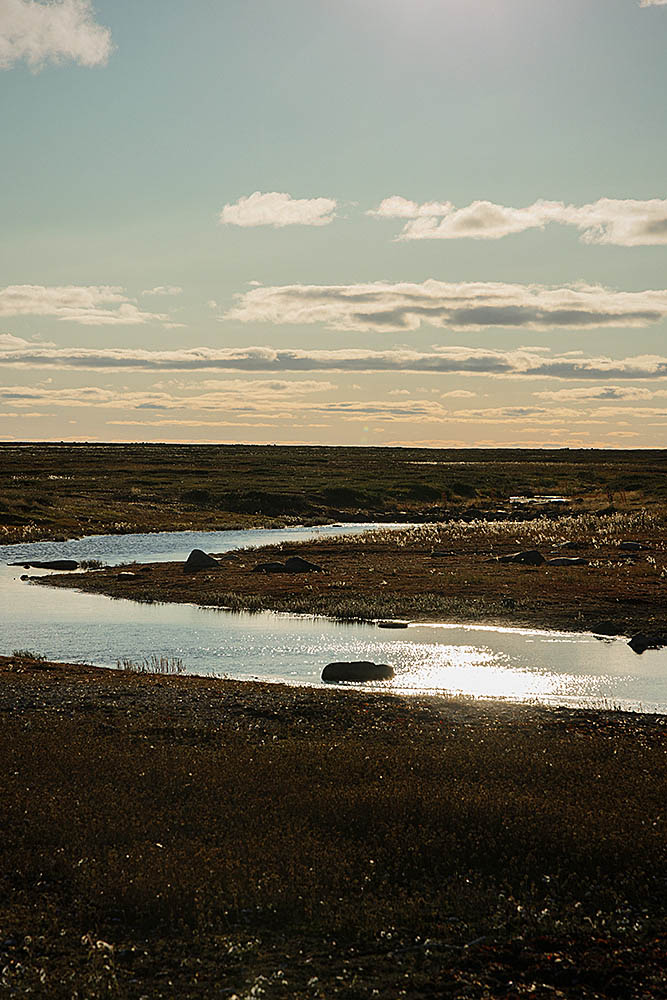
(166, 836)
(66, 490)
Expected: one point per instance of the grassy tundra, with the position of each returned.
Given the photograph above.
(51, 490)
(168, 836)
(165, 836)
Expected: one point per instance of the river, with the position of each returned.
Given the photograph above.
(556, 668)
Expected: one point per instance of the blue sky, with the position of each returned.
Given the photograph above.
(368, 221)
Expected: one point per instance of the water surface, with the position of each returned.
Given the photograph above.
(520, 664)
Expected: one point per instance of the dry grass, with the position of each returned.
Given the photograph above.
(152, 665)
(225, 831)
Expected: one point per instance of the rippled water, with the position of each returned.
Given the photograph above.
(519, 664)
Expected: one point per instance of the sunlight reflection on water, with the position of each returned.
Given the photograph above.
(482, 662)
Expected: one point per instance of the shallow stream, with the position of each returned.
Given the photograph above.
(556, 668)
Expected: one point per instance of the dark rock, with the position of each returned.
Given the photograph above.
(607, 628)
(199, 560)
(630, 546)
(64, 564)
(529, 558)
(269, 567)
(567, 561)
(295, 564)
(640, 642)
(357, 671)
(392, 624)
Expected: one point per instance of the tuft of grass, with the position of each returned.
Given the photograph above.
(152, 665)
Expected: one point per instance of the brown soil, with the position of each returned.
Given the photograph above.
(186, 837)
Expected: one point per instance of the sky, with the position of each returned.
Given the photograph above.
(344, 222)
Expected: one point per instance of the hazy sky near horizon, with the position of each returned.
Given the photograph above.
(434, 222)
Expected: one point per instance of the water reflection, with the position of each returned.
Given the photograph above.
(517, 664)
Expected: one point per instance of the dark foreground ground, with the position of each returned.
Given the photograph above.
(68, 490)
(181, 837)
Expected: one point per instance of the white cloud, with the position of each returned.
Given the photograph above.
(453, 360)
(397, 207)
(252, 397)
(653, 3)
(385, 307)
(278, 210)
(163, 290)
(86, 305)
(59, 31)
(169, 422)
(267, 387)
(614, 222)
(599, 392)
(8, 342)
(250, 409)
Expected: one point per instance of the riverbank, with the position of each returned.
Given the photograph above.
(441, 572)
(179, 836)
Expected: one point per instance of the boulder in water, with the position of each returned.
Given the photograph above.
(357, 671)
(640, 642)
